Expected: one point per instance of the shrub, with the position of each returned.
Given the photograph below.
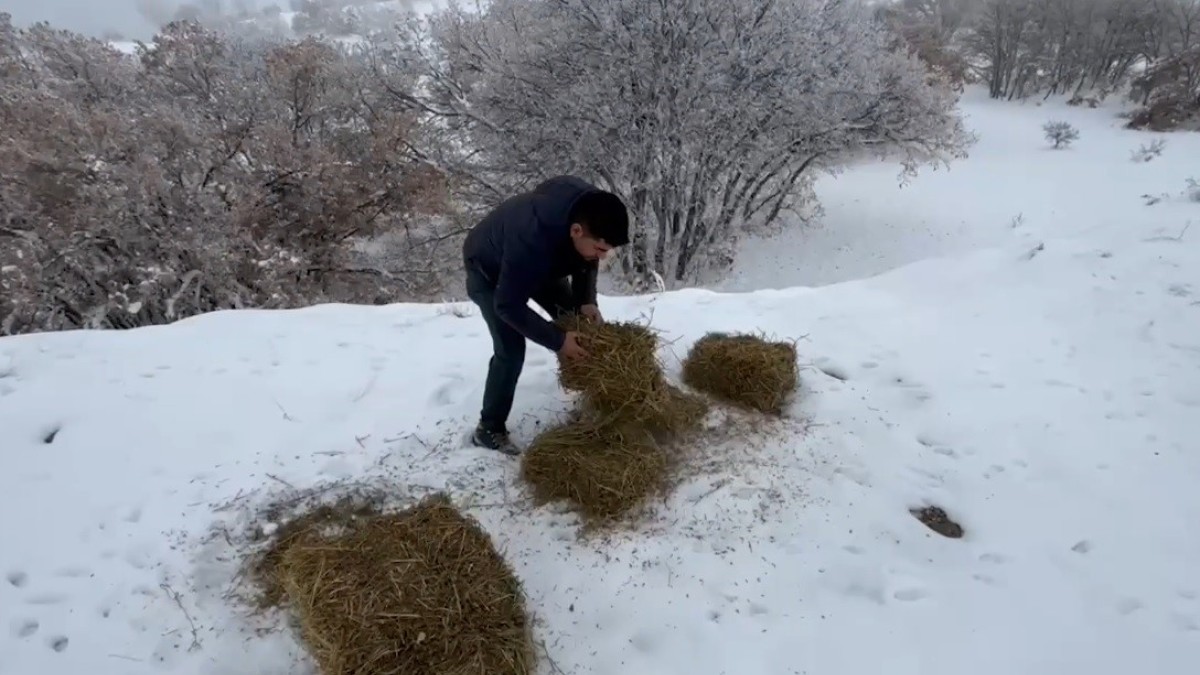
(710, 118)
(1149, 151)
(205, 173)
(1061, 134)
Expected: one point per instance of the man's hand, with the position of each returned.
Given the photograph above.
(592, 313)
(571, 349)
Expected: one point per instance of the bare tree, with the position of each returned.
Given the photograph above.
(1049, 47)
(710, 118)
(208, 173)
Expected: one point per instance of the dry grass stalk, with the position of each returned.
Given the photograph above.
(745, 370)
(605, 468)
(421, 591)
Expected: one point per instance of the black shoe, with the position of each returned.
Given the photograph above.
(494, 440)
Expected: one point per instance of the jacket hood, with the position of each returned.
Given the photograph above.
(555, 197)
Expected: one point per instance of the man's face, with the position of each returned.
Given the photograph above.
(591, 248)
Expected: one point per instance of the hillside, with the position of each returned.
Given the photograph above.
(1040, 383)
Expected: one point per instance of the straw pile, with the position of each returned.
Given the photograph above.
(745, 370)
(421, 591)
(618, 451)
(604, 469)
(623, 380)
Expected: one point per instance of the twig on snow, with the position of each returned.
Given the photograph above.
(174, 595)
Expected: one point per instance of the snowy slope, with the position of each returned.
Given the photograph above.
(1048, 398)
(1012, 177)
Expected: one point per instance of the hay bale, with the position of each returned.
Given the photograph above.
(623, 379)
(264, 568)
(745, 370)
(623, 361)
(421, 591)
(605, 468)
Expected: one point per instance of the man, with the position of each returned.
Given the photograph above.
(526, 248)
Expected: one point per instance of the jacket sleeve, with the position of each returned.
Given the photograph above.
(583, 284)
(522, 266)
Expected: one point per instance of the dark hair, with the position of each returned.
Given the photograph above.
(604, 216)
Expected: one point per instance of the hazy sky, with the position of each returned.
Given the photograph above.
(90, 16)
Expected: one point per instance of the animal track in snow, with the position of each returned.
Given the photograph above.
(134, 515)
(58, 643)
(72, 572)
(445, 394)
(25, 628)
(17, 578)
(910, 594)
(1185, 622)
(831, 369)
(1127, 606)
(46, 599)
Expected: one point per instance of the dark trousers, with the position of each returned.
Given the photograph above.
(508, 346)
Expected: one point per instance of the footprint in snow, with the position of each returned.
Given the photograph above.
(448, 392)
(26, 629)
(72, 572)
(910, 594)
(832, 369)
(46, 599)
(1127, 606)
(51, 434)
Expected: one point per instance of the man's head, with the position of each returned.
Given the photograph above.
(599, 223)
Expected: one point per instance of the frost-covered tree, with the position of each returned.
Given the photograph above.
(1048, 47)
(1169, 87)
(932, 28)
(207, 173)
(709, 117)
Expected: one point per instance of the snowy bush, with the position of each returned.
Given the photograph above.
(1061, 134)
(1149, 151)
(204, 174)
(708, 117)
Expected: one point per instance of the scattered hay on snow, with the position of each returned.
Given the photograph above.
(745, 370)
(419, 591)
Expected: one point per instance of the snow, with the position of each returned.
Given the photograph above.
(126, 47)
(1039, 382)
(873, 224)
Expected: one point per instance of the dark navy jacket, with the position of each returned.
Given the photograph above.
(523, 244)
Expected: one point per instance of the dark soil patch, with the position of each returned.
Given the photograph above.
(937, 520)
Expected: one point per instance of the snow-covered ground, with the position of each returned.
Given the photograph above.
(1040, 382)
(1011, 178)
